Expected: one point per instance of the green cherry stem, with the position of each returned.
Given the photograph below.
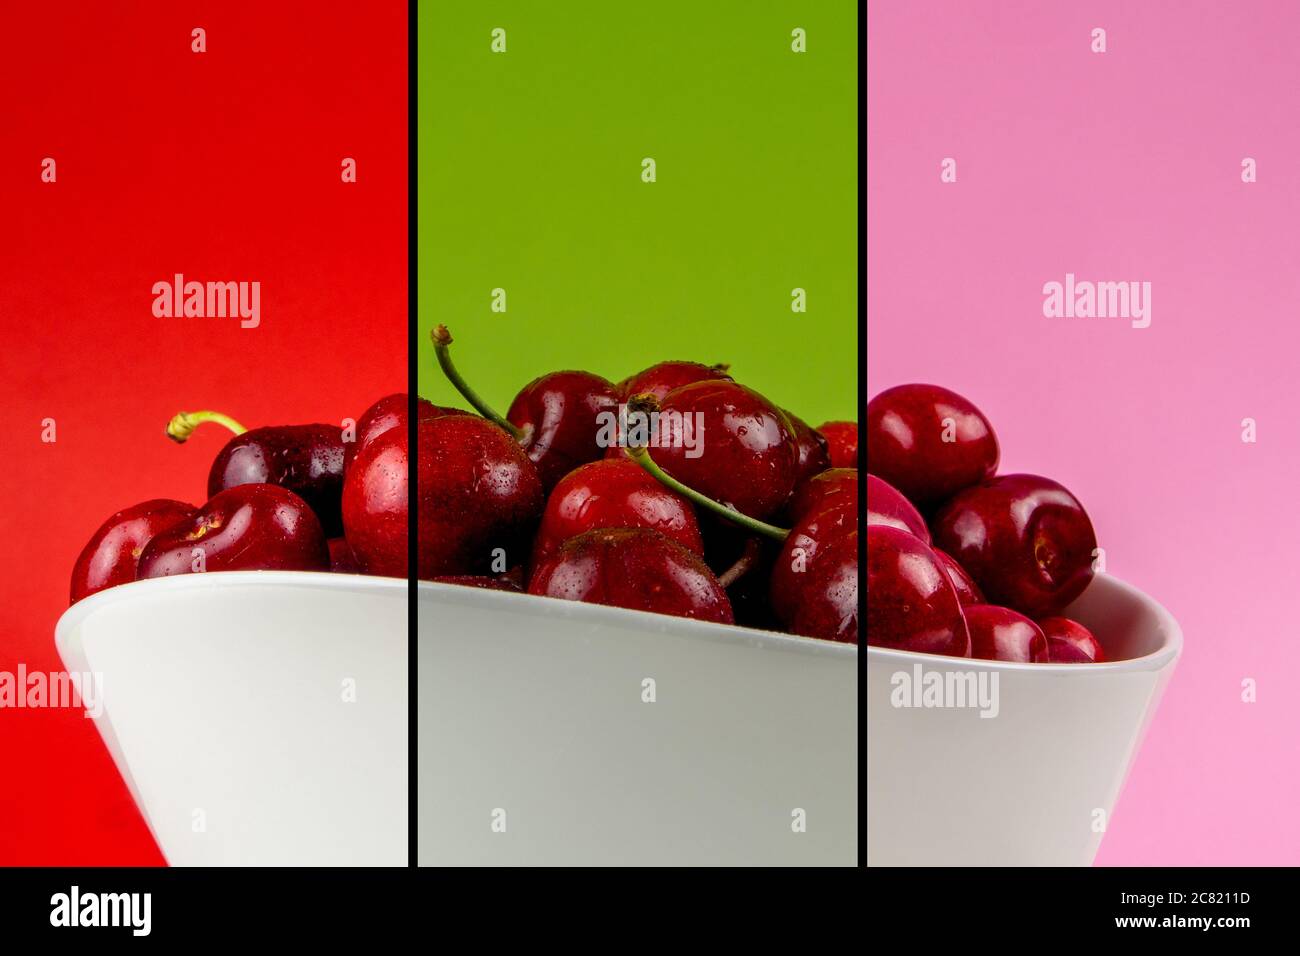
(642, 457)
(441, 341)
(183, 424)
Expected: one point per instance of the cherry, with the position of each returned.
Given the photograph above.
(886, 505)
(480, 581)
(842, 442)
(659, 380)
(1000, 634)
(1025, 540)
(342, 560)
(306, 459)
(556, 418)
(613, 494)
(801, 552)
(391, 411)
(814, 450)
(1069, 642)
(376, 504)
(111, 555)
(911, 603)
(828, 602)
(248, 527)
(928, 442)
(840, 485)
(636, 568)
(729, 443)
(480, 496)
(968, 591)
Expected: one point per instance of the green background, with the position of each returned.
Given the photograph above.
(529, 180)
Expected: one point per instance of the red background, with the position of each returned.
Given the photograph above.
(224, 166)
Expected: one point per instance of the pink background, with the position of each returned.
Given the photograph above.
(1122, 166)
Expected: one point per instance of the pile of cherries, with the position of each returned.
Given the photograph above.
(585, 490)
(1000, 557)
(288, 497)
(548, 499)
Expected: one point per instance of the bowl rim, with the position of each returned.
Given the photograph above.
(1162, 657)
(704, 630)
(75, 614)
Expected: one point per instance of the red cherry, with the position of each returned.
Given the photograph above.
(376, 504)
(557, 419)
(613, 494)
(886, 505)
(480, 497)
(928, 442)
(828, 600)
(837, 486)
(111, 555)
(911, 604)
(635, 568)
(391, 411)
(968, 591)
(842, 442)
(814, 450)
(1069, 642)
(249, 527)
(1000, 634)
(729, 443)
(801, 551)
(1025, 540)
(659, 380)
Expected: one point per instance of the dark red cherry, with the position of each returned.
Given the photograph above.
(832, 487)
(659, 380)
(391, 411)
(911, 603)
(1069, 642)
(306, 459)
(801, 551)
(730, 443)
(968, 591)
(928, 442)
(886, 505)
(827, 606)
(480, 581)
(1000, 634)
(480, 497)
(112, 553)
(633, 568)
(842, 442)
(814, 450)
(342, 560)
(1025, 540)
(557, 419)
(613, 494)
(376, 504)
(249, 527)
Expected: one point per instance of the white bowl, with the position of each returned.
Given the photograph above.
(532, 716)
(224, 707)
(1035, 784)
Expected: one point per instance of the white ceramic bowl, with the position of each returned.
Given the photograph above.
(225, 708)
(1033, 785)
(533, 717)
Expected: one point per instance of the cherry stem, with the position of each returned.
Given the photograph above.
(183, 424)
(744, 564)
(441, 341)
(642, 457)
